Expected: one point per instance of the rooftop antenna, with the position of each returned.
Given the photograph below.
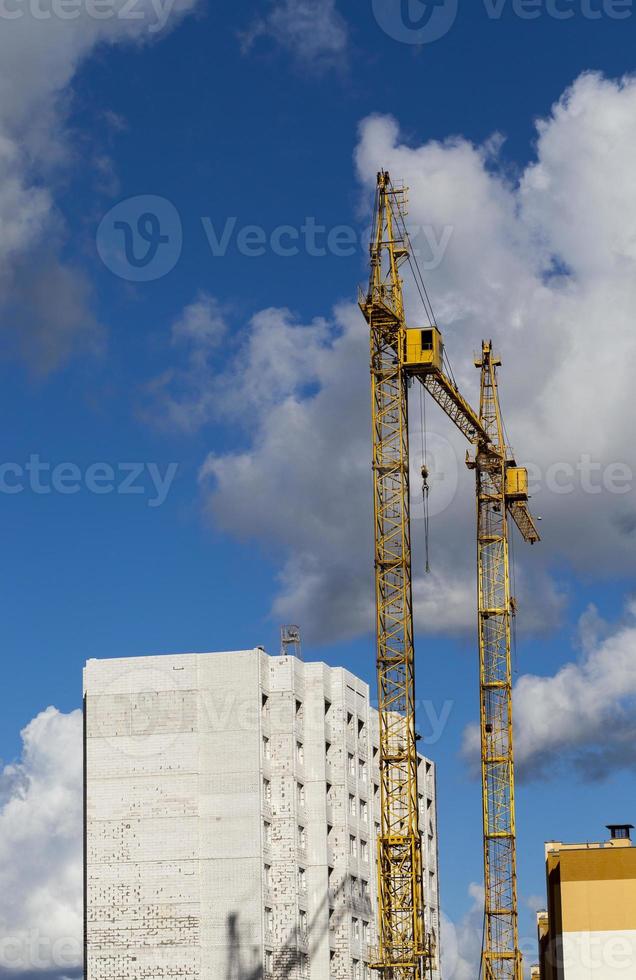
(290, 645)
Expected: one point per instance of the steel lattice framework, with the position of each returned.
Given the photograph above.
(501, 958)
(405, 951)
(402, 944)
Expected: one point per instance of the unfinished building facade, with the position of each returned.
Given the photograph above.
(232, 808)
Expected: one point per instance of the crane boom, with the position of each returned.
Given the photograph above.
(399, 354)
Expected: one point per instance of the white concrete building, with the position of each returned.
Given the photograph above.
(232, 805)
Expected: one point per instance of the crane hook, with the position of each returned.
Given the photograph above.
(425, 491)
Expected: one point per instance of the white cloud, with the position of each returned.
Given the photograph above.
(559, 305)
(311, 30)
(35, 150)
(461, 943)
(41, 849)
(184, 398)
(581, 718)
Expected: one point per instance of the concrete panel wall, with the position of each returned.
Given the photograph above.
(232, 810)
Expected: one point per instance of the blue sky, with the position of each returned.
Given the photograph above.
(172, 370)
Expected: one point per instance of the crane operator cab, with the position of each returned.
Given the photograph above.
(516, 481)
(424, 350)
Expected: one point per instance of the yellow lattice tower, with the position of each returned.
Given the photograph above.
(402, 946)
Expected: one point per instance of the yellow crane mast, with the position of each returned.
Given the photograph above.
(402, 943)
(399, 354)
(502, 489)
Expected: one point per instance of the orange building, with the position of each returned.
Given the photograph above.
(589, 929)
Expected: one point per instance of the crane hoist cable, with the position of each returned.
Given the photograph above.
(418, 279)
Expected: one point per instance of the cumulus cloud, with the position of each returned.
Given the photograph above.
(559, 304)
(34, 151)
(184, 397)
(461, 942)
(41, 850)
(581, 718)
(311, 30)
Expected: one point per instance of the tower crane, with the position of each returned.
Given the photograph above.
(400, 354)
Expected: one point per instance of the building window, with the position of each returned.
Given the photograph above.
(352, 764)
(269, 921)
(352, 805)
(267, 833)
(364, 887)
(375, 751)
(299, 712)
(376, 791)
(353, 846)
(302, 880)
(269, 961)
(349, 721)
(265, 706)
(356, 970)
(300, 752)
(360, 728)
(362, 770)
(327, 708)
(267, 791)
(364, 810)
(304, 965)
(365, 932)
(356, 928)
(267, 875)
(266, 747)
(364, 850)
(329, 830)
(302, 837)
(300, 794)
(302, 923)
(328, 751)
